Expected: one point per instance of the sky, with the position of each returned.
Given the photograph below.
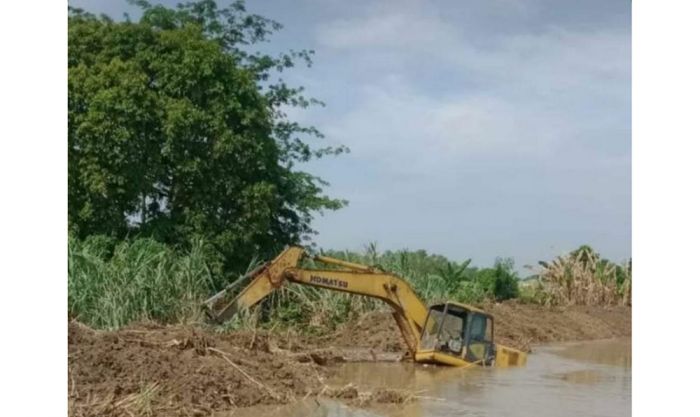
(477, 129)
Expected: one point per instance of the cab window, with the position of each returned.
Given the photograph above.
(477, 330)
(452, 329)
(479, 335)
(444, 329)
(432, 327)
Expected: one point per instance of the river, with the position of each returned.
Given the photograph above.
(573, 379)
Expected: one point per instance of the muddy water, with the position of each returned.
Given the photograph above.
(577, 379)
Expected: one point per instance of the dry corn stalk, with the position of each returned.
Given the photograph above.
(582, 278)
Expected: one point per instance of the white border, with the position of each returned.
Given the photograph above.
(33, 208)
(666, 212)
(665, 209)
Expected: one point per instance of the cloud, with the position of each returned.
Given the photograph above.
(520, 93)
(394, 27)
(407, 130)
(474, 139)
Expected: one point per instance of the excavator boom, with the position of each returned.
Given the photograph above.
(409, 311)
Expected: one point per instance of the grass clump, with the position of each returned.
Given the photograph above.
(112, 284)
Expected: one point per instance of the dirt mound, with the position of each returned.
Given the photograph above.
(376, 330)
(180, 371)
(524, 325)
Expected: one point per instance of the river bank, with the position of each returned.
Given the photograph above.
(193, 370)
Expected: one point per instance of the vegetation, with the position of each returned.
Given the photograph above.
(177, 131)
(112, 284)
(582, 277)
(436, 278)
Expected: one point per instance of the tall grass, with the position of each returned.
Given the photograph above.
(113, 284)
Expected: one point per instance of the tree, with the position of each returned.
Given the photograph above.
(499, 282)
(505, 284)
(454, 274)
(176, 131)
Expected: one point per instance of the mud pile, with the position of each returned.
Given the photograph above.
(180, 371)
(523, 326)
(190, 371)
(376, 331)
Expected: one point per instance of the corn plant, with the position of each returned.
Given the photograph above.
(583, 278)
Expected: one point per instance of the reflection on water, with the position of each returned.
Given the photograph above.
(576, 379)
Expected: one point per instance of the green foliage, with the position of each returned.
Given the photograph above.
(504, 284)
(532, 292)
(110, 286)
(113, 283)
(471, 292)
(177, 131)
(455, 274)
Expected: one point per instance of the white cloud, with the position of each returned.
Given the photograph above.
(412, 30)
(535, 93)
(407, 131)
(395, 27)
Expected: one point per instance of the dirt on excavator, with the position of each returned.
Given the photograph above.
(189, 371)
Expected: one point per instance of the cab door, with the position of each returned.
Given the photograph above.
(479, 339)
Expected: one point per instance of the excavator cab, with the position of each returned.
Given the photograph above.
(457, 334)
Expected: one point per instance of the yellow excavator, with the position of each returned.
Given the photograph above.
(448, 333)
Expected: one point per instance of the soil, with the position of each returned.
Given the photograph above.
(193, 371)
(376, 331)
(524, 326)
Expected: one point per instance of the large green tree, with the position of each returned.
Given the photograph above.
(177, 130)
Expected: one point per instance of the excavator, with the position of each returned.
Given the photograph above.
(448, 333)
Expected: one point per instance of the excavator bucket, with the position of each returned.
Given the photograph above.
(263, 280)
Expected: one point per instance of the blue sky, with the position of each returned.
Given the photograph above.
(477, 129)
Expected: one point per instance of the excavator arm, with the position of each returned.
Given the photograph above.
(409, 311)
